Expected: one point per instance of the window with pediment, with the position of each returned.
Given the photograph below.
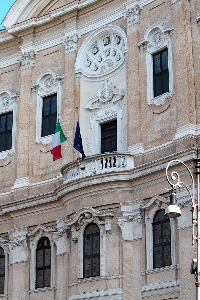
(48, 93)
(157, 42)
(91, 251)
(43, 263)
(8, 114)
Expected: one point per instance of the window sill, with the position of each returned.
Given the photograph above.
(46, 140)
(159, 270)
(96, 278)
(161, 99)
(41, 290)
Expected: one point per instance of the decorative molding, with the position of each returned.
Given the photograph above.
(70, 42)
(131, 221)
(106, 105)
(21, 183)
(160, 288)
(112, 294)
(10, 60)
(27, 60)
(18, 245)
(108, 94)
(136, 149)
(132, 15)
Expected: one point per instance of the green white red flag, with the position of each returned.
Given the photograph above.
(59, 137)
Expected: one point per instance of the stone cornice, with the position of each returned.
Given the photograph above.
(102, 183)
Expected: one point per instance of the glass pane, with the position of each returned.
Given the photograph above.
(166, 255)
(47, 277)
(2, 265)
(165, 59)
(157, 234)
(96, 266)
(2, 123)
(54, 104)
(87, 267)
(96, 244)
(158, 257)
(9, 121)
(166, 232)
(39, 259)
(47, 257)
(46, 106)
(2, 285)
(87, 245)
(39, 279)
(157, 63)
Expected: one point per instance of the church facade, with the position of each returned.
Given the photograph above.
(94, 228)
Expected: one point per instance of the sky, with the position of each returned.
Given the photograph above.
(5, 5)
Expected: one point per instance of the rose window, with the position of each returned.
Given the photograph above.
(105, 55)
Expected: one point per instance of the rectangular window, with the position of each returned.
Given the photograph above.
(109, 137)
(6, 123)
(49, 115)
(160, 73)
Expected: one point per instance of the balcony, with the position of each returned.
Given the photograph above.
(101, 164)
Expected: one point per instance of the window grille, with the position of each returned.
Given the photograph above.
(2, 270)
(109, 136)
(161, 240)
(6, 123)
(91, 251)
(43, 263)
(49, 115)
(160, 73)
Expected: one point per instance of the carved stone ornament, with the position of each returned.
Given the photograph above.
(132, 15)
(131, 221)
(70, 43)
(86, 216)
(108, 94)
(27, 60)
(102, 53)
(18, 245)
(47, 82)
(6, 100)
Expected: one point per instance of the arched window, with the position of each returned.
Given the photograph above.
(161, 240)
(2, 270)
(43, 263)
(91, 251)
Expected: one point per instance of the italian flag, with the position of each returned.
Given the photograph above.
(58, 138)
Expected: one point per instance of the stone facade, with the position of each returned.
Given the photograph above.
(97, 57)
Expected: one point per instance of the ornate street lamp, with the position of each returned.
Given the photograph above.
(173, 211)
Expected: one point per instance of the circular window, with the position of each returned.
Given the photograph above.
(102, 54)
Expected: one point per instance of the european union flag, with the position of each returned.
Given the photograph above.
(78, 141)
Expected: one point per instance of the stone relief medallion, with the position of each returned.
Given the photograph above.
(5, 102)
(47, 82)
(157, 38)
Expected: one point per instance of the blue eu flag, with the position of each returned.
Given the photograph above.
(78, 141)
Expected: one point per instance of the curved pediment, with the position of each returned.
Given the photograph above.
(26, 9)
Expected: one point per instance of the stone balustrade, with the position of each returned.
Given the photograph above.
(96, 165)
